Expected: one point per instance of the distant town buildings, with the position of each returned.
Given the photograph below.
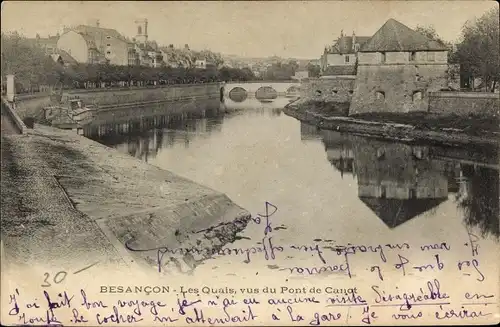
(48, 44)
(93, 44)
(301, 75)
(202, 64)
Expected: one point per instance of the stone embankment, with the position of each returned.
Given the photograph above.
(112, 98)
(67, 199)
(388, 130)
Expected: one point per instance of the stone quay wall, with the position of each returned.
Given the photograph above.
(32, 105)
(338, 89)
(396, 88)
(465, 103)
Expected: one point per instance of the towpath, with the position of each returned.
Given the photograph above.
(67, 200)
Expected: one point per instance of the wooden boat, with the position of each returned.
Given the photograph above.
(81, 113)
(74, 116)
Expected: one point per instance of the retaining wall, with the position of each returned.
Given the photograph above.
(31, 105)
(12, 113)
(124, 96)
(392, 88)
(465, 103)
(333, 89)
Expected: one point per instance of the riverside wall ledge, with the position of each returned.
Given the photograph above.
(32, 105)
(390, 131)
(67, 201)
(13, 115)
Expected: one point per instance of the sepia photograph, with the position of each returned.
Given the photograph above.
(250, 163)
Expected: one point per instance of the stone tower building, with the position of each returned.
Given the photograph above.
(142, 31)
(397, 68)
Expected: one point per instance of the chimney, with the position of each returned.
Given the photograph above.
(97, 23)
(353, 41)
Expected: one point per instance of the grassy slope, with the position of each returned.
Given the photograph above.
(471, 124)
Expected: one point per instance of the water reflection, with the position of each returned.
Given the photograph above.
(253, 152)
(143, 139)
(399, 181)
(254, 103)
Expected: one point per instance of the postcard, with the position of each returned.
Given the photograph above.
(250, 163)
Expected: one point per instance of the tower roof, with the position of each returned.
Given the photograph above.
(395, 36)
(394, 212)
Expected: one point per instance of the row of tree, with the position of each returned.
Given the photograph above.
(477, 52)
(33, 68)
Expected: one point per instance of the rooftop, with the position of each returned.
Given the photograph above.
(395, 212)
(99, 32)
(345, 44)
(395, 36)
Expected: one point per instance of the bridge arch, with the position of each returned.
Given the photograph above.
(266, 93)
(238, 94)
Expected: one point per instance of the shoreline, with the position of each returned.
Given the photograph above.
(88, 200)
(390, 131)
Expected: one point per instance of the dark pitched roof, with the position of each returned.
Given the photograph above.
(340, 70)
(394, 36)
(67, 58)
(99, 32)
(344, 44)
(394, 212)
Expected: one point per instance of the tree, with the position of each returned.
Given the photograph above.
(314, 70)
(478, 51)
(24, 59)
(431, 33)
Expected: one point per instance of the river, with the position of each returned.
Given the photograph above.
(329, 188)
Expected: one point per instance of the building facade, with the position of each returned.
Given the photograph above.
(340, 59)
(48, 44)
(94, 44)
(396, 69)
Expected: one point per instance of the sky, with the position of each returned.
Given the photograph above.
(290, 29)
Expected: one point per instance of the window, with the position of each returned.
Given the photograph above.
(413, 56)
(346, 58)
(334, 91)
(417, 95)
(108, 45)
(139, 30)
(383, 191)
(382, 57)
(412, 193)
(430, 56)
(356, 47)
(108, 52)
(380, 95)
(108, 37)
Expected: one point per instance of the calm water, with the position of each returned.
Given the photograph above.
(328, 187)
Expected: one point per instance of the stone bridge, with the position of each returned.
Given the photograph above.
(260, 90)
